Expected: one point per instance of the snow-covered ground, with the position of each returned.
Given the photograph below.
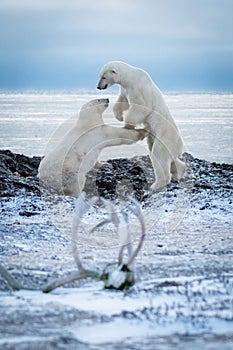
(183, 296)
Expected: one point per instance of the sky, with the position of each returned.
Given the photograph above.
(185, 45)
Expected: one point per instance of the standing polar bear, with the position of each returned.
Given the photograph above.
(63, 170)
(144, 104)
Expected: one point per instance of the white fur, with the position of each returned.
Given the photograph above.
(63, 170)
(144, 104)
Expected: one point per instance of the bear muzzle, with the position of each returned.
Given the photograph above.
(106, 102)
(100, 85)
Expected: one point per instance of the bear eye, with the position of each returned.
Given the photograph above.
(103, 78)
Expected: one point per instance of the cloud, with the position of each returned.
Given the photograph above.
(165, 33)
(165, 20)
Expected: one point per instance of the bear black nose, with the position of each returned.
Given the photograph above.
(107, 100)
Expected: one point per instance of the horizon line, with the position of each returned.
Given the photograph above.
(113, 92)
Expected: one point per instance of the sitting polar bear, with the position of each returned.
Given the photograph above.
(64, 169)
(145, 104)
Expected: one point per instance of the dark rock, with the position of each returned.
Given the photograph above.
(117, 178)
(121, 177)
(18, 172)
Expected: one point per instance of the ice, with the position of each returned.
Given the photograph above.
(37, 115)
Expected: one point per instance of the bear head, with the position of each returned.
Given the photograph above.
(98, 106)
(110, 74)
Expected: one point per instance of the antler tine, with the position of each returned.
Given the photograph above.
(81, 207)
(136, 210)
(123, 231)
(112, 216)
(100, 224)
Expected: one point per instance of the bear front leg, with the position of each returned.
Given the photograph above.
(135, 116)
(150, 141)
(129, 136)
(118, 136)
(120, 106)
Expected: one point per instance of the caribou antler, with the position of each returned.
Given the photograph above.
(112, 217)
(123, 229)
(121, 277)
(121, 224)
(137, 211)
(81, 207)
(124, 237)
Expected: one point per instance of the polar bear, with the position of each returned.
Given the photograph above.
(63, 170)
(144, 104)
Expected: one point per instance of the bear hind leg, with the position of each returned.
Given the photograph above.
(177, 169)
(161, 162)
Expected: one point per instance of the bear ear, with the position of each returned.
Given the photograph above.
(113, 71)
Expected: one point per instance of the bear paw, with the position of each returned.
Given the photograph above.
(119, 117)
(142, 133)
(156, 187)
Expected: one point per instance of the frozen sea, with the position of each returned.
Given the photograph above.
(29, 119)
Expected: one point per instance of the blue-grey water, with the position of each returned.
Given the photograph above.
(29, 119)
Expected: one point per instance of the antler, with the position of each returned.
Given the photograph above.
(81, 207)
(121, 223)
(112, 217)
(119, 278)
(123, 229)
(124, 237)
(137, 211)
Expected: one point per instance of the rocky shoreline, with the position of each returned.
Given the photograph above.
(20, 172)
(184, 274)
